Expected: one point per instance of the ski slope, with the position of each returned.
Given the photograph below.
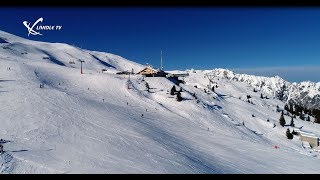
(93, 123)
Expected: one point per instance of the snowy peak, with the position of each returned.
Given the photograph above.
(306, 93)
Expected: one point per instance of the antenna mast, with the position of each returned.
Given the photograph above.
(161, 61)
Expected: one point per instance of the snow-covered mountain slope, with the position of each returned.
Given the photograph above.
(15, 48)
(304, 93)
(94, 123)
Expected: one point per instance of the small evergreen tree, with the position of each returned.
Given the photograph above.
(301, 116)
(292, 123)
(291, 108)
(286, 107)
(282, 121)
(317, 118)
(289, 135)
(179, 98)
(173, 90)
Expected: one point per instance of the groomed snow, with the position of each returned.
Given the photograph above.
(92, 123)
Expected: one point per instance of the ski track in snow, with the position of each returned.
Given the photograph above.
(81, 123)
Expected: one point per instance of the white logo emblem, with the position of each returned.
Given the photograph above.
(34, 27)
(30, 29)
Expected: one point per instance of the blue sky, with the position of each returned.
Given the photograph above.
(264, 41)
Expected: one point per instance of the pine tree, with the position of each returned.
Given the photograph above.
(289, 135)
(292, 123)
(298, 109)
(291, 108)
(301, 116)
(261, 96)
(314, 112)
(282, 121)
(317, 117)
(179, 98)
(286, 107)
(173, 90)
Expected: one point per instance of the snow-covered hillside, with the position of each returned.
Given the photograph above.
(94, 123)
(305, 93)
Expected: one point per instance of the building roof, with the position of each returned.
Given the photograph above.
(148, 68)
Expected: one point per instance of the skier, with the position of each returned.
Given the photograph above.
(141, 115)
(103, 100)
(1, 149)
(127, 103)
